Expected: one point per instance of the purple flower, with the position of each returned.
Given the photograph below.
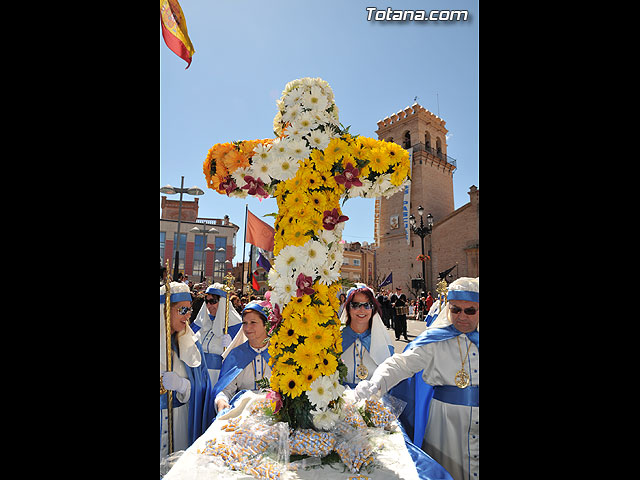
(304, 285)
(332, 218)
(254, 185)
(349, 177)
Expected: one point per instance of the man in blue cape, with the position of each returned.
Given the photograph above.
(438, 376)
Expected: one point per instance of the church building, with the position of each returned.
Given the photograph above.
(453, 243)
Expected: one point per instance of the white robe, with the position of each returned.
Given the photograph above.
(246, 380)
(210, 333)
(451, 436)
(180, 414)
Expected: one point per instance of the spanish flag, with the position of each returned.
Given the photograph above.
(174, 30)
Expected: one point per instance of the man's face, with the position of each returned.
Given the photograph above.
(464, 315)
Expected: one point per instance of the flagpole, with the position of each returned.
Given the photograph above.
(244, 248)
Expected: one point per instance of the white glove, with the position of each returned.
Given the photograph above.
(173, 381)
(226, 340)
(365, 390)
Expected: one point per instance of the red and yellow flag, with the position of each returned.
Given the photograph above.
(174, 30)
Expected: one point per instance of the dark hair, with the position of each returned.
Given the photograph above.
(376, 306)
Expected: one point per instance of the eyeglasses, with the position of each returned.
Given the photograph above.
(467, 311)
(184, 310)
(213, 300)
(366, 305)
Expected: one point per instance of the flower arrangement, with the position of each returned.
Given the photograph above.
(422, 258)
(311, 164)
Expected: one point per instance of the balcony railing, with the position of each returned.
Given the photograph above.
(421, 147)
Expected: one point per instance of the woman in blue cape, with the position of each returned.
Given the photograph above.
(209, 328)
(365, 342)
(246, 361)
(188, 381)
(438, 375)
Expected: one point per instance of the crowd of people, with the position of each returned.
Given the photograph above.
(214, 365)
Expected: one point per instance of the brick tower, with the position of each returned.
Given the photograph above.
(431, 187)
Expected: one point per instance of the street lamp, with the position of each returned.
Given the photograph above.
(422, 231)
(169, 190)
(204, 232)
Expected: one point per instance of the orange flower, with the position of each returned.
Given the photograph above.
(234, 160)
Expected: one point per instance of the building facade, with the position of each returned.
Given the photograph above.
(203, 255)
(359, 263)
(454, 238)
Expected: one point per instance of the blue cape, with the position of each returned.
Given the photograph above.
(235, 363)
(214, 361)
(415, 391)
(201, 406)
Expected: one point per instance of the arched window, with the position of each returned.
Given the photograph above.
(438, 147)
(427, 140)
(407, 140)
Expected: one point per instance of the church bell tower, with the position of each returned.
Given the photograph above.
(431, 186)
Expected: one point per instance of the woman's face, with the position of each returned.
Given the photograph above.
(180, 321)
(464, 322)
(360, 316)
(254, 328)
(212, 307)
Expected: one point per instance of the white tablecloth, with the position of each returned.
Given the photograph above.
(391, 458)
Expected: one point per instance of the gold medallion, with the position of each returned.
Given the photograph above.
(362, 372)
(462, 379)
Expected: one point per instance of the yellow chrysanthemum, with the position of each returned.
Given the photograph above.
(295, 234)
(287, 334)
(327, 364)
(291, 384)
(314, 220)
(378, 160)
(335, 150)
(308, 375)
(296, 305)
(306, 355)
(320, 161)
(305, 321)
(295, 200)
(317, 200)
(320, 338)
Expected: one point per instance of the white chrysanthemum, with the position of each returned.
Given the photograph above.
(320, 392)
(305, 122)
(284, 170)
(336, 254)
(298, 149)
(262, 168)
(324, 419)
(289, 259)
(273, 276)
(363, 191)
(283, 289)
(336, 386)
(291, 113)
(319, 139)
(329, 273)
(240, 173)
(314, 254)
(315, 99)
(295, 133)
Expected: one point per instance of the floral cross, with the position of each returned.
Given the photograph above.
(309, 167)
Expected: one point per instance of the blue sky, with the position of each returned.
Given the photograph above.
(248, 50)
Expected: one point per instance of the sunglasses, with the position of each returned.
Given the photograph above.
(366, 305)
(467, 311)
(212, 301)
(184, 310)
